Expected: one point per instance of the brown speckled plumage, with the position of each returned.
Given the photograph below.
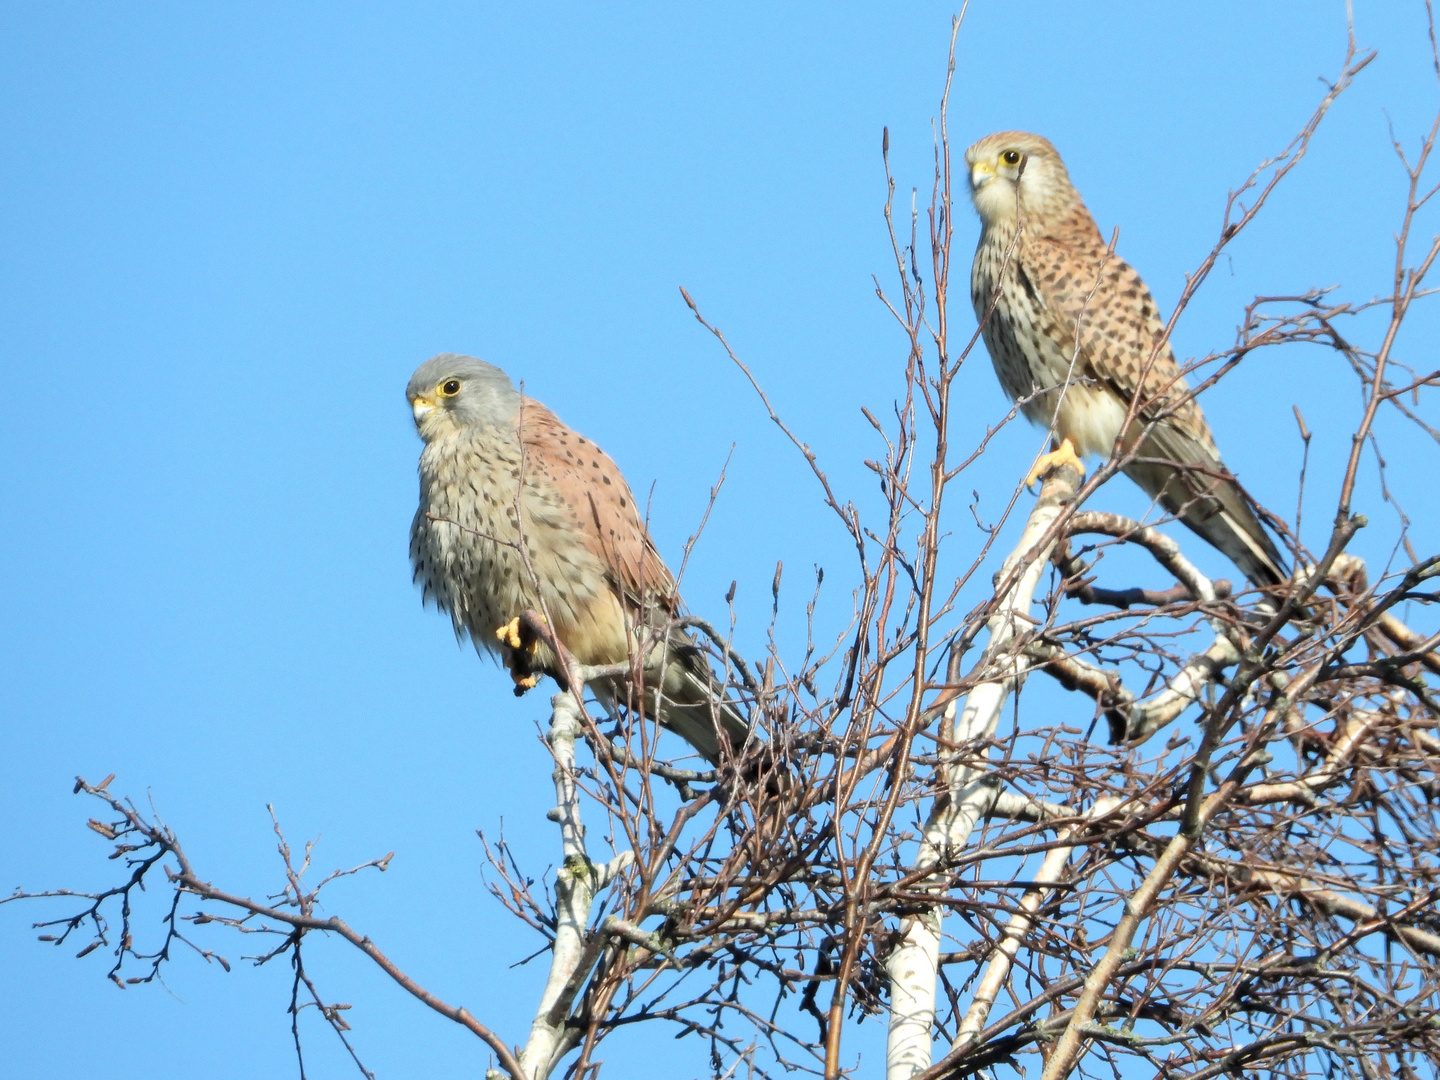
(600, 580)
(1073, 336)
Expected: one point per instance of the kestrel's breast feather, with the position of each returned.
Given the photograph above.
(1122, 337)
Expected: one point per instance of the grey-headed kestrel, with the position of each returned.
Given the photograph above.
(499, 471)
(1076, 338)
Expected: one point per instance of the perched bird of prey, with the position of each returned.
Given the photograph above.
(499, 473)
(1076, 338)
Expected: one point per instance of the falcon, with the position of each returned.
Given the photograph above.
(502, 479)
(1076, 340)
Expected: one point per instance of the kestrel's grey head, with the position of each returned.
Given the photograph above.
(452, 392)
(1016, 172)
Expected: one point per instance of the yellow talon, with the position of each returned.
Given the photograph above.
(510, 633)
(525, 682)
(1064, 454)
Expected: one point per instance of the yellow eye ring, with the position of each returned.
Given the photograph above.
(1011, 157)
(450, 387)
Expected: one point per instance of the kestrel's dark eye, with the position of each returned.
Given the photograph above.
(451, 388)
(1011, 157)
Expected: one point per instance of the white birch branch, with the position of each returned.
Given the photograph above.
(914, 963)
(1141, 719)
(1367, 919)
(1003, 958)
(576, 885)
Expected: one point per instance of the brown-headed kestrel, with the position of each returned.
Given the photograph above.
(499, 473)
(1076, 338)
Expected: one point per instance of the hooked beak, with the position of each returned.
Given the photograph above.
(420, 406)
(981, 173)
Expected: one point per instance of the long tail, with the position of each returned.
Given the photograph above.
(691, 702)
(1211, 502)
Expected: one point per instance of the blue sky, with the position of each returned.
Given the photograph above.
(231, 232)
